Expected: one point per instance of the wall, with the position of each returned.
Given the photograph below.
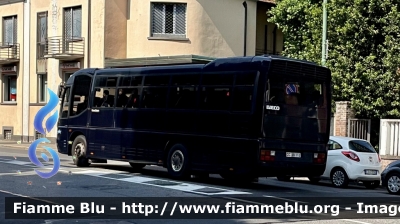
(97, 34)
(115, 29)
(12, 113)
(343, 113)
(210, 31)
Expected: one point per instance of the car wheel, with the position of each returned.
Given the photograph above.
(393, 183)
(371, 184)
(79, 149)
(339, 178)
(314, 179)
(178, 162)
(283, 178)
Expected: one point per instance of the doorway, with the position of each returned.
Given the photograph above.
(66, 76)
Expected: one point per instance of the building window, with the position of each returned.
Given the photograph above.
(73, 22)
(42, 87)
(168, 20)
(10, 30)
(41, 33)
(10, 88)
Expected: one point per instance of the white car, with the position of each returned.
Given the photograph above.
(352, 159)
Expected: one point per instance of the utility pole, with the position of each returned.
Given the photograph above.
(324, 28)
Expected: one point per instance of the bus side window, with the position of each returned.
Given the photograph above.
(215, 98)
(242, 98)
(155, 91)
(129, 89)
(105, 91)
(183, 91)
(243, 92)
(128, 98)
(80, 95)
(216, 91)
(64, 113)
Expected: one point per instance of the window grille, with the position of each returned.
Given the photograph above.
(7, 134)
(169, 20)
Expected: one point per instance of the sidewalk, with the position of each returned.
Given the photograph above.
(24, 145)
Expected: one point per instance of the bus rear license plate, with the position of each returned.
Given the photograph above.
(371, 172)
(293, 154)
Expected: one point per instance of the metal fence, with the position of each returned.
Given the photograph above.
(389, 137)
(332, 127)
(9, 51)
(359, 128)
(64, 45)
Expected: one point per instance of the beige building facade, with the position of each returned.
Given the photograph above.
(44, 42)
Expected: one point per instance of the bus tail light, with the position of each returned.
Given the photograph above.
(267, 155)
(319, 158)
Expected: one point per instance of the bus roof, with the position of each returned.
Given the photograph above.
(228, 63)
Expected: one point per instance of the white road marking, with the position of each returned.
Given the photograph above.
(17, 162)
(355, 221)
(180, 186)
(245, 201)
(24, 196)
(285, 199)
(136, 179)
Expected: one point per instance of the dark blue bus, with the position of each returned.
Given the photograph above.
(240, 117)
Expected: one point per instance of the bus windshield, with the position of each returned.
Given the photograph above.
(296, 109)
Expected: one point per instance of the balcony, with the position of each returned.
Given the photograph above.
(64, 48)
(9, 53)
(260, 52)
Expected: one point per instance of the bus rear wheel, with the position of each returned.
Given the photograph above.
(178, 161)
(79, 152)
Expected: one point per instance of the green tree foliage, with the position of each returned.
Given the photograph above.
(364, 48)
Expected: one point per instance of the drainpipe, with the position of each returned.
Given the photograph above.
(89, 31)
(245, 27)
(25, 67)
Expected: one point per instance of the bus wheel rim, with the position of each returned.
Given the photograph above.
(177, 160)
(79, 148)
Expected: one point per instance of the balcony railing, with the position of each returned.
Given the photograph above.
(260, 52)
(63, 47)
(9, 53)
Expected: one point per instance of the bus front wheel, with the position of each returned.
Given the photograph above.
(178, 161)
(79, 152)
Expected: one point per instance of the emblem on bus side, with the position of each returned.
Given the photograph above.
(270, 107)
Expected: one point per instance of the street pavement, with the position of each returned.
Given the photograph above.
(118, 179)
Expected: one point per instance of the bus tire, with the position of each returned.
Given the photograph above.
(178, 162)
(79, 148)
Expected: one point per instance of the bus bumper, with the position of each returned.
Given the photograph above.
(273, 169)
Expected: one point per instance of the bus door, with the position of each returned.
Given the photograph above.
(296, 111)
(103, 139)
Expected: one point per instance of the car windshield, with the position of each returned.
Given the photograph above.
(361, 146)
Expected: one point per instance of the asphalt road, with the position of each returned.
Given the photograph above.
(117, 179)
